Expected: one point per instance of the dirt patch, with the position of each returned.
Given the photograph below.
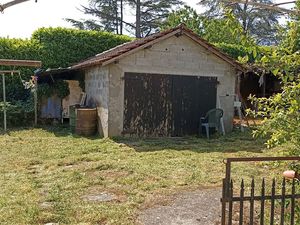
(201, 207)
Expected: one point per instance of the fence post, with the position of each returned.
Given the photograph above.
(223, 222)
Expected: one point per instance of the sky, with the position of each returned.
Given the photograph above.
(21, 20)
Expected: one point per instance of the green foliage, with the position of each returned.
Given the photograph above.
(59, 88)
(17, 49)
(260, 23)
(281, 112)
(107, 15)
(281, 115)
(226, 29)
(55, 47)
(188, 16)
(291, 37)
(19, 113)
(61, 47)
(253, 54)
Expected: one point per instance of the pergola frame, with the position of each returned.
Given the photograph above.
(18, 63)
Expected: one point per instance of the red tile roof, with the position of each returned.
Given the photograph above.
(121, 51)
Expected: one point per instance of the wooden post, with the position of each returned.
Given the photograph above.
(4, 101)
(11, 62)
(35, 101)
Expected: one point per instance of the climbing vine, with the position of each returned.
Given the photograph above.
(59, 88)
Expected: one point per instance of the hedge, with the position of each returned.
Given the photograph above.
(55, 47)
(61, 47)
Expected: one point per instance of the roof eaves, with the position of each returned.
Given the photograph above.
(132, 48)
(128, 48)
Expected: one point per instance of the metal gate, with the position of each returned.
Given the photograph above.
(266, 205)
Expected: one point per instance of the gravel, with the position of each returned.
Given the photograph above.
(201, 207)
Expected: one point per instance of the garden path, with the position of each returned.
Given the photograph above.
(201, 207)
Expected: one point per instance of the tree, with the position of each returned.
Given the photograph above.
(215, 30)
(258, 22)
(150, 14)
(11, 3)
(108, 16)
(281, 112)
(188, 16)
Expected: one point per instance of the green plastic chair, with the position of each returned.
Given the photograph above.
(212, 119)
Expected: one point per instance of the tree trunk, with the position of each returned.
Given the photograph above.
(244, 17)
(121, 22)
(138, 19)
(116, 8)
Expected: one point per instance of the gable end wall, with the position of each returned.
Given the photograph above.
(176, 56)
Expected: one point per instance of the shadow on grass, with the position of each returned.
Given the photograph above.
(63, 130)
(234, 142)
(231, 143)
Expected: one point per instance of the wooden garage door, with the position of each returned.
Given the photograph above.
(166, 105)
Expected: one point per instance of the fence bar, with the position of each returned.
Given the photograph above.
(242, 203)
(259, 198)
(252, 203)
(293, 204)
(223, 222)
(282, 202)
(228, 200)
(262, 204)
(230, 204)
(272, 203)
(266, 159)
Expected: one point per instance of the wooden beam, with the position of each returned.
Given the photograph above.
(27, 63)
(9, 71)
(11, 3)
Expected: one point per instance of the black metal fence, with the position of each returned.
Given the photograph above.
(264, 205)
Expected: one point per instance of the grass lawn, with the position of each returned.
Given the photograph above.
(45, 173)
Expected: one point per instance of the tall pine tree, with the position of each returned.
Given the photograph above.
(150, 14)
(259, 22)
(108, 15)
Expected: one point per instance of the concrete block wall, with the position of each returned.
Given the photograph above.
(178, 56)
(97, 90)
(226, 97)
(175, 56)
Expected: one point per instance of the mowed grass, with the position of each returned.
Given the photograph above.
(45, 173)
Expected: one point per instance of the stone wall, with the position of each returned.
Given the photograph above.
(97, 90)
